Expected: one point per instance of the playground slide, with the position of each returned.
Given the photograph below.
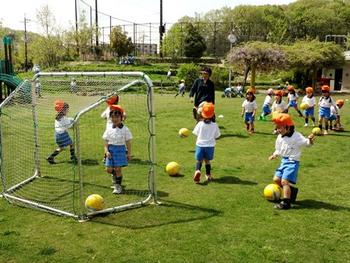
(10, 80)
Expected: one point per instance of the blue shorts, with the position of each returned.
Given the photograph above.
(202, 153)
(324, 112)
(118, 158)
(248, 117)
(63, 139)
(266, 109)
(309, 112)
(288, 170)
(292, 103)
(332, 117)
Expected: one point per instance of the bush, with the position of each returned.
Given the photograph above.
(220, 78)
(188, 72)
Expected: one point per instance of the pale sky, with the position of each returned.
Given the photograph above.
(138, 11)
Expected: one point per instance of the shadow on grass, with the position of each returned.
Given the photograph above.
(139, 161)
(89, 162)
(265, 133)
(339, 133)
(168, 213)
(314, 204)
(232, 180)
(228, 135)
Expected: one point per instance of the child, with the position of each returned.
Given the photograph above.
(310, 100)
(113, 100)
(73, 86)
(249, 109)
(325, 103)
(62, 123)
(182, 88)
(288, 145)
(266, 109)
(293, 100)
(279, 105)
(206, 131)
(38, 88)
(117, 147)
(335, 116)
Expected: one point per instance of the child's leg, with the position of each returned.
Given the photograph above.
(247, 125)
(313, 120)
(72, 153)
(296, 108)
(251, 127)
(208, 170)
(51, 158)
(118, 177)
(306, 120)
(285, 203)
(320, 122)
(197, 173)
(326, 126)
(277, 181)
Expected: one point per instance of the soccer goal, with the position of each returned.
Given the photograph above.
(27, 134)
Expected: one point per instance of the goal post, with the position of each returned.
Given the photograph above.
(61, 185)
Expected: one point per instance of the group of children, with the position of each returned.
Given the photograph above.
(117, 137)
(328, 107)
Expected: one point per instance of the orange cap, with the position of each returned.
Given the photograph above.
(309, 90)
(59, 104)
(340, 102)
(208, 110)
(112, 100)
(279, 93)
(290, 88)
(250, 90)
(283, 119)
(325, 88)
(116, 108)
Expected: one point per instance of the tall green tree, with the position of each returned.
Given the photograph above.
(120, 43)
(194, 44)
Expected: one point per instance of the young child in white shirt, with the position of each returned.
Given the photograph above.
(117, 147)
(62, 124)
(335, 116)
(266, 109)
(310, 101)
(293, 99)
(206, 131)
(324, 112)
(249, 107)
(288, 146)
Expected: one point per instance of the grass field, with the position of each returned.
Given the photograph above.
(225, 221)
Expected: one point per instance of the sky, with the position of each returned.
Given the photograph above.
(138, 11)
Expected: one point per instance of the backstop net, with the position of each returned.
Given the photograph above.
(30, 178)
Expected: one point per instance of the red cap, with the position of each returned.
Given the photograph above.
(116, 108)
(59, 104)
(112, 100)
(208, 110)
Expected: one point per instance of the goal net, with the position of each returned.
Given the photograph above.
(60, 183)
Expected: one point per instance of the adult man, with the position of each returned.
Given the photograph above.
(202, 90)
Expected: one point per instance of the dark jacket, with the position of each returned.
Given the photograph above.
(202, 91)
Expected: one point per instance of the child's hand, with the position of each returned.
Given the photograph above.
(128, 157)
(272, 157)
(108, 155)
(311, 137)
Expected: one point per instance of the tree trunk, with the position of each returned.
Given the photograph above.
(252, 76)
(246, 72)
(314, 78)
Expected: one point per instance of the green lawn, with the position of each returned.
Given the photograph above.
(225, 221)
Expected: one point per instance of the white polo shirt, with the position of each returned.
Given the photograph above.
(63, 124)
(206, 134)
(249, 106)
(309, 101)
(117, 136)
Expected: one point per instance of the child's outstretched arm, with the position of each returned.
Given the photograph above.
(311, 138)
(128, 147)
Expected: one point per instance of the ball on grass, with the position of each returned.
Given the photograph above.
(173, 168)
(94, 202)
(272, 192)
(316, 131)
(184, 132)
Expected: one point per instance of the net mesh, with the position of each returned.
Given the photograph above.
(48, 179)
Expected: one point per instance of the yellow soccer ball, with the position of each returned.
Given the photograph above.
(272, 192)
(184, 132)
(316, 131)
(94, 202)
(173, 168)
(304, 106)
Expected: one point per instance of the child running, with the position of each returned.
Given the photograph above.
(335, 116)
(62, 123)
(288, 146)
(310, 101)
(206, 131)
(117, 147)
(324, 112)
(249, 110)
(293, 99)
(266, 109)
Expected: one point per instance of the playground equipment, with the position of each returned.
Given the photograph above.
(8, 79)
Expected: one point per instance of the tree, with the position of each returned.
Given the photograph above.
(257, 56)
(120, 43)
(194, 44)
(313, 55)
(47, 20)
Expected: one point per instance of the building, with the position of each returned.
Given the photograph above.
(146, 49)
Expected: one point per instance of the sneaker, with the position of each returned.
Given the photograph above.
(208, 177)
(50, 160)
(305, 125)
(117, 189)
(283, 205)
(325, 132)
(197, 177)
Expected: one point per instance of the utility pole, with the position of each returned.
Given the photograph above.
(91, 30)
(161, 29)
(76, 25)
(96, 20)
